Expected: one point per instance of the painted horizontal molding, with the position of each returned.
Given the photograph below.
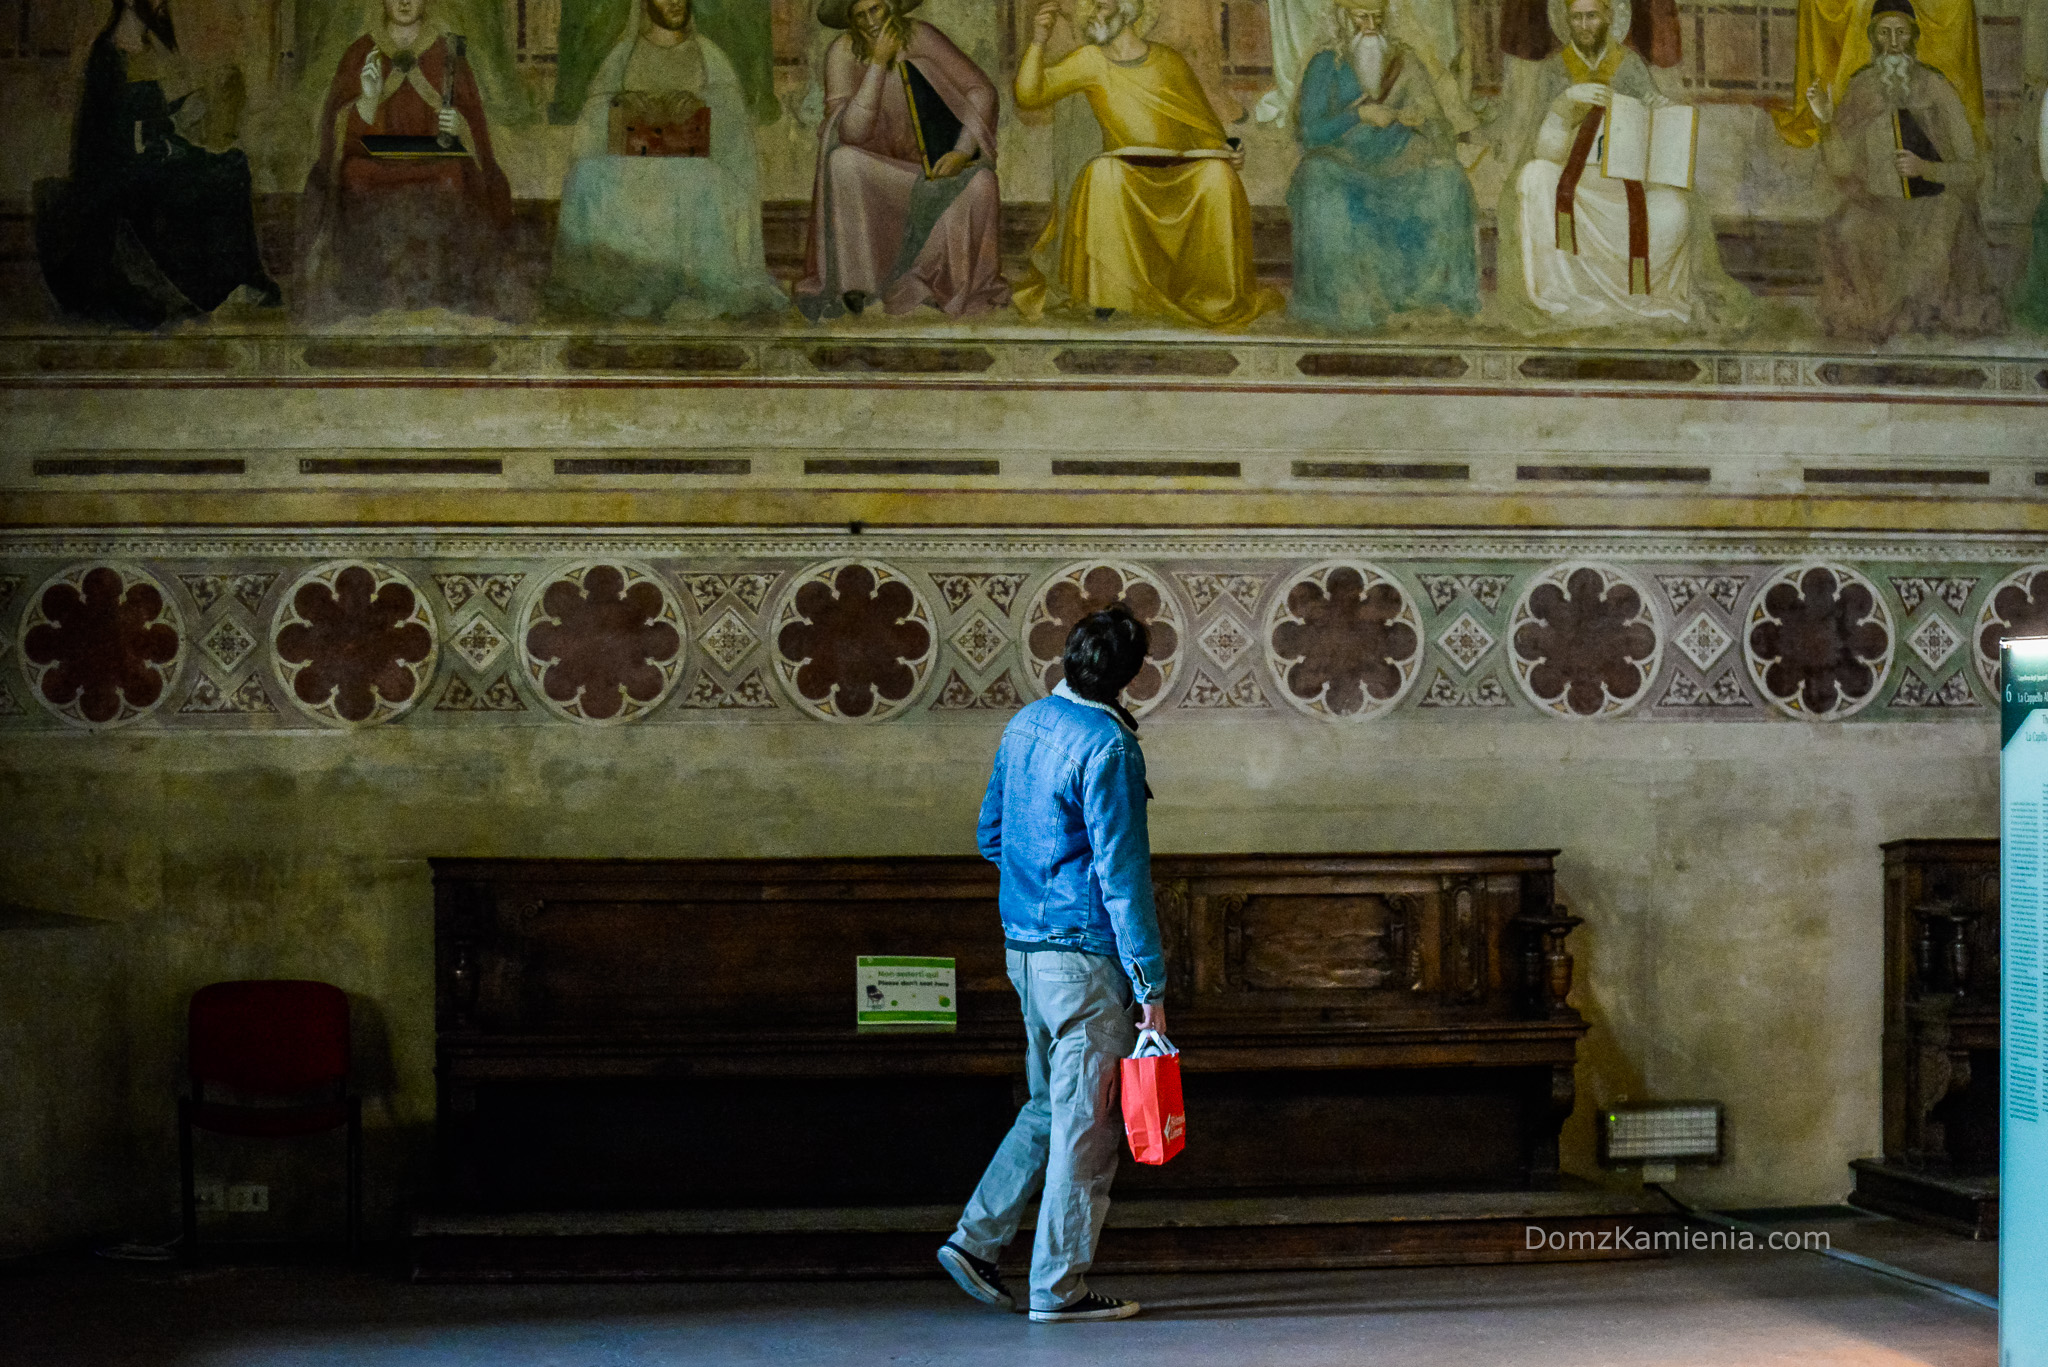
(781, 356)
(188, 629)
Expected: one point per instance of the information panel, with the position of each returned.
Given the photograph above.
(897, 992)
(2023, 1135)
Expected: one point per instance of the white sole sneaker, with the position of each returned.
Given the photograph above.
(972, 1282)
(1094, 1308)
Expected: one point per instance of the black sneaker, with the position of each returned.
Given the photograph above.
(977, 1277)
(1089, 1307)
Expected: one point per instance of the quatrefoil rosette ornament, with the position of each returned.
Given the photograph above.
(1090, 586)
(1584, 641)
(1344, 641)
(1819, 641)
(854, 641)
(601, 641)
(101, 644)
(354, 643)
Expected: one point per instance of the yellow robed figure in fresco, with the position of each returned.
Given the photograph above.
(1834, 44)
(1158, 224)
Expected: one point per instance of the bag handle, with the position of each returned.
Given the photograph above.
(1153, 1041)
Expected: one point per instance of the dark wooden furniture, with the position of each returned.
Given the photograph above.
(1940, 1163)
(678, 1034)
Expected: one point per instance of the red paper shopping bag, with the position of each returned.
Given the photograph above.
(1153, 1116)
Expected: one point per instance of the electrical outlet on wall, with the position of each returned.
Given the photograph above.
(247, 1197)
(210, 1194)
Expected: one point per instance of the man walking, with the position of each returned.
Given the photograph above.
(1065, 820)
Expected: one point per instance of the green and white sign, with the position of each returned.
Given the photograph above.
(895, 992)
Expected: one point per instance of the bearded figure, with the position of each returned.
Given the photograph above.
(1905, 252)
(905, 209)
(1157, 224)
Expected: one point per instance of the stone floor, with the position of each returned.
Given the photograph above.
(1690, 1310)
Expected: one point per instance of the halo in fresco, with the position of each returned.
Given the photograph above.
(1819, 641)
(101, 644)
(1344, 640)
(354, 643)
(602, 641)
(854, 640)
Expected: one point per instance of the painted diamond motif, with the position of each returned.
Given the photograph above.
(1703, 640)
(727, 640)
(1935, 641)
(980, 640)
(478, 642)
(229, 643)
(1466, 641)
(1225, 639)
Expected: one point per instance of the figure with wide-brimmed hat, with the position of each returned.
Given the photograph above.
(905, 208)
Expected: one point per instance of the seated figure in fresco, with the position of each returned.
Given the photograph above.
(406, 207)
(1383, 216)
(1904, 252)
(151, 224)
(1581, 249)
(661, 214)
(1158, 223)
(905, 209)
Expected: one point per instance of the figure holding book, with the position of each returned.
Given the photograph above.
(406, 208)
(1383, 216)
(1598, 223)
(905, 208)
(1158, 223)
(661, 214)
(1904, 252)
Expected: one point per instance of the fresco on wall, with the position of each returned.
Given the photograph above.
(1867, 172)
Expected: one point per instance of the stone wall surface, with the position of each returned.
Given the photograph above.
(1729, 877)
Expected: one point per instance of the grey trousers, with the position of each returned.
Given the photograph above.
(1078, 1029)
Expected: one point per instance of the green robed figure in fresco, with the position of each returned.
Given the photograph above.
(661, 214)
(1383, 216)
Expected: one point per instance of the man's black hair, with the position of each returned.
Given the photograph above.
(1105, 651)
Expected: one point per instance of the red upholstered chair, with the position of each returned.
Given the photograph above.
(280, 1048)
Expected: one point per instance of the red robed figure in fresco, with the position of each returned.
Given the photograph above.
(405, 232)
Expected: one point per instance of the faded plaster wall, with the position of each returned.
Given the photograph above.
(1729, 877)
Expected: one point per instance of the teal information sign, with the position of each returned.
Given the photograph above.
(2022, 903)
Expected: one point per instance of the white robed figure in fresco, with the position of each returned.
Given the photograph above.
(1582, 249)
(671, 237)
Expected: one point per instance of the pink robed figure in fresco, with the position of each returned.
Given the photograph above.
(905, 209)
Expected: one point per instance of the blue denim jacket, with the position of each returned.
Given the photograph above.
(1065, 820)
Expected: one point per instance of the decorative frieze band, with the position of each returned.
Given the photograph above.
(263, 631)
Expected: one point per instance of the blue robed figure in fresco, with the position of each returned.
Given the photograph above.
(1383, 215)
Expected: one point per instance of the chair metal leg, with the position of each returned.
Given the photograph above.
(188, 1199)
(355, 1177)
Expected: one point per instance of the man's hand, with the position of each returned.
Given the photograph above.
(1910, 165)
(1589, 93)
(446, 122)
(952, 164)
(1820, 102)
(1378, 115)
(885, 49)
(373, 78)
(1152, 1016)
(1042, 22)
